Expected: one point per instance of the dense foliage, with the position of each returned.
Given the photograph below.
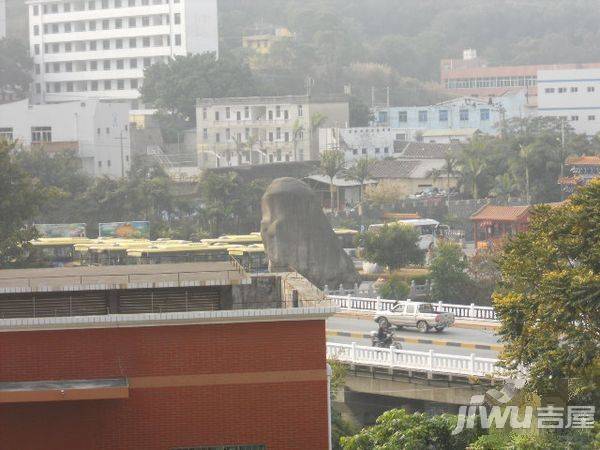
(15, 66)
(399, 430)
(524, 161)
(20, 199)
(175, 87)
(394, 43)
(393, 246)
(394, 288)
(40, 187)
(548, 300)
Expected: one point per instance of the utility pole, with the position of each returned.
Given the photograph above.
(122, 160)
(388, 96)
(562, 155)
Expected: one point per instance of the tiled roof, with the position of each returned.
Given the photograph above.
(501, 213)
(422, 150)
(584, 161)
(393, 169)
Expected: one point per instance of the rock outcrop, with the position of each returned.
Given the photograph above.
(298, 237)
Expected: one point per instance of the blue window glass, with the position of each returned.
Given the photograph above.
(403, 116)
(485, 114)
(422, 116)
(464, 114)
(444, 115)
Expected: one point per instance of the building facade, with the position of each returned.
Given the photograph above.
(262, 130)
(262, 43)
(461, 113)
(189, 377)
(473, 76)
(572, 95)
(98, 132)
(100, 48)
(2, 19)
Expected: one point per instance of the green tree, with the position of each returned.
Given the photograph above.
(333, 163)
(21, 197)
(473, 163)
(15, 66)
(396, 429)
(451, 283)
(360, 171)
(175, 87)
(229, 204)
(548, 299)
(505, 187)
(62, 177)
(393, 246)
(394, 288)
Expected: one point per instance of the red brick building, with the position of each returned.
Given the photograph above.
(246, 378)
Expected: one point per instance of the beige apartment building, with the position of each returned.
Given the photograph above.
(261, 130)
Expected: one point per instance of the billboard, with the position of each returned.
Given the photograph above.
(125, 230)
(61, 230)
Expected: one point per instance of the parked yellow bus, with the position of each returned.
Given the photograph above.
(251, 257)
(56, 252)
(178, 253)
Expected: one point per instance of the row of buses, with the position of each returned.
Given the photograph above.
(248, 250)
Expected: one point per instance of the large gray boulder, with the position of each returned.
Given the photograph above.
(298, 236)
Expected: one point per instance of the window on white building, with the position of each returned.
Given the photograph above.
(6, 134)
(464, 115)
(591, 89)
(41, 134)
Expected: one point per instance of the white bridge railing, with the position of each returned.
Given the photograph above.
(429, 362)
(365, 304)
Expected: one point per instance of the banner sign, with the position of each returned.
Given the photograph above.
(125, 230)
(61, 230)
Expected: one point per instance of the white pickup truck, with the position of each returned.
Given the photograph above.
(415, 314)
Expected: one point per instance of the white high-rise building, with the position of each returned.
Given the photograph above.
(572, 95)
(100, 48)
(2, 18)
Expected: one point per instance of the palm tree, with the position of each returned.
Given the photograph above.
(449, 169)
(332, 163)
(316, 121)
(473, 163)
(505, 187)
(525, 153)
(361, 172)
(297, 133)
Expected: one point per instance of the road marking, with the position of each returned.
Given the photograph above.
(411, 340)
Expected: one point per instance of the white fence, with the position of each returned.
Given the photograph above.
(429, 362)
(365, 304)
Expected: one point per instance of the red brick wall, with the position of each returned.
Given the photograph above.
(282, 415)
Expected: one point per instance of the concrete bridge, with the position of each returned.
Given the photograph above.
(380, 379)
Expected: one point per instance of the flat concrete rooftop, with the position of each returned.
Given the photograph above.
(122, 277)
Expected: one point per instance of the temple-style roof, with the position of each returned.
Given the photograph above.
(584, 161)
(501, 213)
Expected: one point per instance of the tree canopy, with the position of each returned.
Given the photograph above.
(548, 299)
(175, 87)
(15, 66)
(393, 246)
(21, 197)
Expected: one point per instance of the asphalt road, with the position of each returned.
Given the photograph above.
(450, 334)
